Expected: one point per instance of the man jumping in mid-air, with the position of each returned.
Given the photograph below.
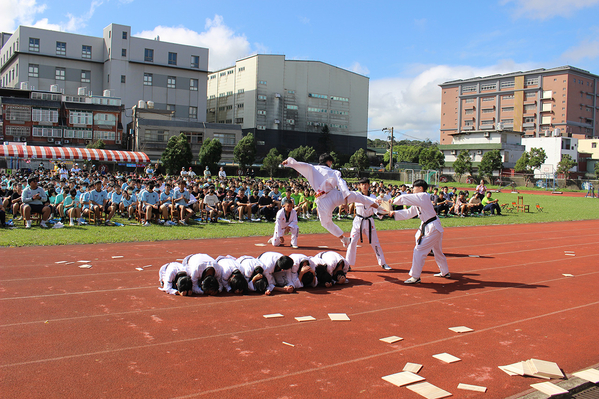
(331, 191)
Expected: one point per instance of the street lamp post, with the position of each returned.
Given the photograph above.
(390, 131)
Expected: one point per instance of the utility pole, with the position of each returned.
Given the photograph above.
(390, 131)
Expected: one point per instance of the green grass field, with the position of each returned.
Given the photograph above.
(555, 208)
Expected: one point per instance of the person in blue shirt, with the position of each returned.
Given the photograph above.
(181, 199)
(115, 201)
(72, 207)
(166, 201)
(98, 199)
(149, 199)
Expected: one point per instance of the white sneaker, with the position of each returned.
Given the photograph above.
(294, 247)
(147, 224)
(346, 241)
(71, 223)
(28, 224)
(182, 222)
(43, 224)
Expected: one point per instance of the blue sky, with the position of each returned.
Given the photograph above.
(406, 48)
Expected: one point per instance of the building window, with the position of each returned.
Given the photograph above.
(488, 98)
(290, 121)
(148, 79)
(507, 109)
(86, 51)
(238, 120)
(193, 84)
(229, 93)
(261, 127)
(469, 112)
(593, 145)
(222, 74)
(529, 119)
(488, 86)
(261, 97)
(240, 69)
(60, 73)
(34, 45)
(531, 82)
(488, 110)
(311, 109)
(240, 105)
(339, 98)
(486, 123)
(149, 55)
(171, 82)
(86, 76)
(313, 95)
(124, 52)
(123, 78)
(530, 107)
(469, 100)
(468, 89)
(125, 35)
(34, 70)
(195, 61)
(193, 112)
(225, 138)
(507, 97)
(339, 112)
(230, 72)
(170, 107)
(291, 107)
(172, 58)
(261, 112)
(61, 48)
(240, 91)
(507, 84)
(262, 82)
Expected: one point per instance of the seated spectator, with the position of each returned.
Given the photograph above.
(441, 205)
(475, 203)
(72, 207)
(211, 204)
(491, 204)
(461, 204)
(266, 206)
(33, 199)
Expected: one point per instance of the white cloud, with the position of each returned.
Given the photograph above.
(304, 20)
(412, 104)
(224, 44)
(586, 49)
(18, 12)
(24, 12)
(358, 68)
(543, 9)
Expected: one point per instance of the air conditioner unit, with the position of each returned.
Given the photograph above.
(50, 140)
(58, 142)
(82, 91)
(487, 134)
(118, 141)
(453, 152)
(67, 141)
(547, 133)
(277, 95)
(479, 152)
(23, 138)
(277, 121)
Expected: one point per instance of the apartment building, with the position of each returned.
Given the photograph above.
(286, 103)
(535, 102)
(49, 118)
(171, 75)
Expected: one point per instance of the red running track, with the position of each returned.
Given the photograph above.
(108, 331)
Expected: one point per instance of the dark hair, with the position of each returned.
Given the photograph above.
(307, 279)
(238, 282)
(285, 262)
(323, 275)
(184, 283)
(338, 274)
(364, 180)
(421, 183)
(324, 158)
(177, 277)
(257, 270)
(261, 285)
(73, 192)
(209, 285)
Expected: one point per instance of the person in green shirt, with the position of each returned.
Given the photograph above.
(490, 204)
(296, 199)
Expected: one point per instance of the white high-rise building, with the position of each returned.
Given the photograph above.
(286, 103)
(170, 75)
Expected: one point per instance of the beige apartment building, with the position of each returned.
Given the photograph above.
(559, 101)
(286, 103)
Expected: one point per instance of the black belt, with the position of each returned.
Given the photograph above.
(423, 226)
(369, 227)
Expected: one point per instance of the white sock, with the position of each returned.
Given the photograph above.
(71, 220)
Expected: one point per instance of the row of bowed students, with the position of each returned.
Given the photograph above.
(268, 273)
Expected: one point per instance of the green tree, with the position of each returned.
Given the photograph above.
(244, 152)
(523, 166)
(98, 145)
(210, 153)
(408, 153)
(597, 169)
(431, 158)
(537, 158)
(359, 160)
(324, 140)
(272, 161)
(565, 165)
(303, 154)
(336, 159)
(177, 154)
(462, 164)
(490, 162)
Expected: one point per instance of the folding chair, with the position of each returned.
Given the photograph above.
(36, 218)
(539, 208)
(521, 207)
(92, 217)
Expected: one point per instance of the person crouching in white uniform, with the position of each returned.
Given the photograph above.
(363, 228)
(205, 274)
(331, 191)
(430, 233)
(285, 222)
(337, 266)
(303, 271)
(232, 277)
(174, 279)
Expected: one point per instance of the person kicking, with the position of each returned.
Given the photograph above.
(363, 226)
(331, 191)
(430, 233)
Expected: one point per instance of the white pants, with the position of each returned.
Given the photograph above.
(431, 241)
(327, 203)
(280, 231)
(362, 224)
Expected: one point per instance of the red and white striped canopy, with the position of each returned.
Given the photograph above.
(91, 154)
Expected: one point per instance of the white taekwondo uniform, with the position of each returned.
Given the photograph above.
(363, 229)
